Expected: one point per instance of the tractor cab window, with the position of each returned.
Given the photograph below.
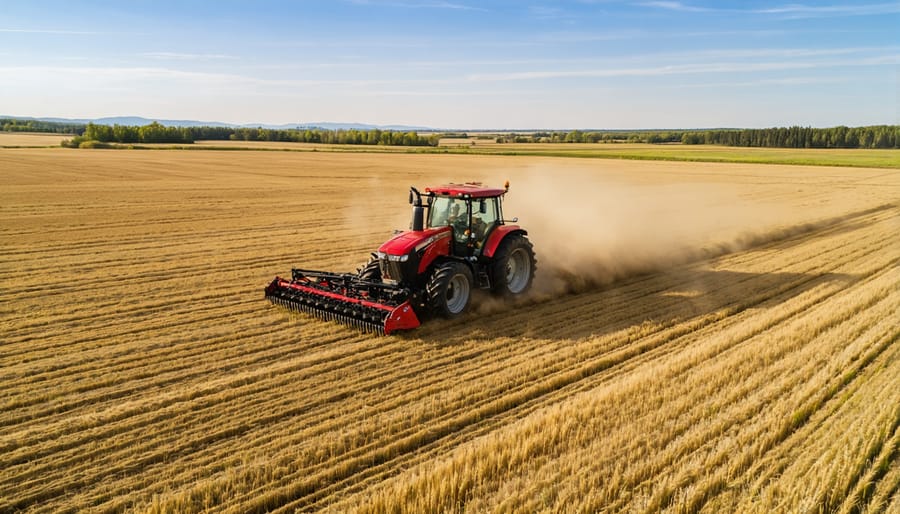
(453, 212)
(484, 217)
(448, 211)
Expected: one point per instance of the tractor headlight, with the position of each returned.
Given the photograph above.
(397, 258)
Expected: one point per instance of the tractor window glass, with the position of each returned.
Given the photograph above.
(485, 209)
(484, 214)
(438, 213)
(447, 211)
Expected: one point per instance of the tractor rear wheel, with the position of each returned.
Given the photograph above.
(512, 271)
(450, 289)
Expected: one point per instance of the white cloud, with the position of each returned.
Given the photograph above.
(585, 37)
(67, 32)
(141, 75)
(776, 52)
(676, 6)
(791, 10)
(51, 31)
(828, 10)
(787, 81)
(684, 69)
(419, 5)
(185, 57)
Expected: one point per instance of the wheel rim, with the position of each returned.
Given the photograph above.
(518, 270)
(457, 294)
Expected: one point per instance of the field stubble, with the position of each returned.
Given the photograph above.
(712, 337)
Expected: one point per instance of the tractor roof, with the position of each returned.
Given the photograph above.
(469, 189)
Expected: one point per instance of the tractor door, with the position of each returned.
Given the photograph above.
(460, 221)
(455, 213)
(485, 218)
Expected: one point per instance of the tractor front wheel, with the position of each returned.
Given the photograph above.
(450, 289)
(512, 271)
(371, 272)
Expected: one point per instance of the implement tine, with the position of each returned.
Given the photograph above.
(356, 312)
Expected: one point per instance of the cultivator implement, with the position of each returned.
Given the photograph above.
(368, 306)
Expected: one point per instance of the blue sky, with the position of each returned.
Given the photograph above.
(456, 63)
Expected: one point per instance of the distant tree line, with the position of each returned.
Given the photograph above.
(339, 137)
(97, 136)
(876, 136)
(152, 133)
(579, 136)
(102, 135)
(17, 125)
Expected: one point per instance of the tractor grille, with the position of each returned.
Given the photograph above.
(390, 270)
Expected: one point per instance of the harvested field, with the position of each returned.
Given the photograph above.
(704, 338)
(30, 139)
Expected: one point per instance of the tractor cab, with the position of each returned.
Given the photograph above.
(470, 210)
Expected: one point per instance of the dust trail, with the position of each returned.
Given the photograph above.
(589, 231)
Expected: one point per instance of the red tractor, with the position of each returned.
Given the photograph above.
(458, 242)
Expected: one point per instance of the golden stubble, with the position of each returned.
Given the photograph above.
(729, 342)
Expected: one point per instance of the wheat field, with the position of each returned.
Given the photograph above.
(30, 139)
(703, 338)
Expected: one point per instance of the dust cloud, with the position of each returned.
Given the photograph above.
(589, 231)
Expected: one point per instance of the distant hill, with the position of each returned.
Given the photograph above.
(140, 121)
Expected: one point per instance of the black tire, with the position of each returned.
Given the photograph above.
(512, 271)
(450, 289)
(371, 272)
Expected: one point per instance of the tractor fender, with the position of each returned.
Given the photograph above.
(498, 235)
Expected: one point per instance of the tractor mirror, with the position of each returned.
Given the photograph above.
(410, 197)
(482, 207)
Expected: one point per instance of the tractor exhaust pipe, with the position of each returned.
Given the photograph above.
(418, 217)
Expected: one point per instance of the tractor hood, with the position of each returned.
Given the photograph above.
(405, 242)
